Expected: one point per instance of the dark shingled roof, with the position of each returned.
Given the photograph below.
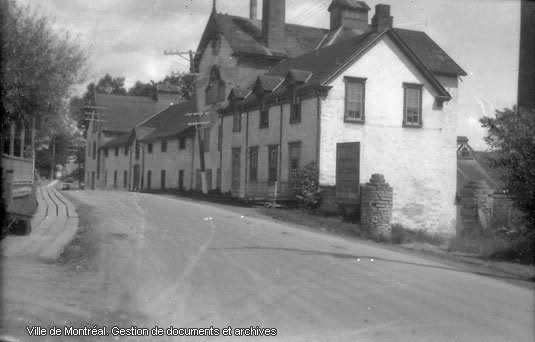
(170, 121)
(239, 93)
(122, 139)
(121, 113)
(268, 82)
(325, 61)
(429, 53)
(245, 37)
(167, 88)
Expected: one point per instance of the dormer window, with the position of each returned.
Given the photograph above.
(264, 116)
(295, 106)
(355, 99)
(215, 91)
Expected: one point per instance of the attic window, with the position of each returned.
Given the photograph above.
(215, 91)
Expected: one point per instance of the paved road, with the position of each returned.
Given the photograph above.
(165, 261)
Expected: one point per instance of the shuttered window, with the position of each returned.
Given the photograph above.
(355, 99)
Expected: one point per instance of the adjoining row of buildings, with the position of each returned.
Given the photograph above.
(359, 98)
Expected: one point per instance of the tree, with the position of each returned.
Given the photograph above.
(186, 84)
(39, 67)
(110, 85)
(144, 89)
(511, 134)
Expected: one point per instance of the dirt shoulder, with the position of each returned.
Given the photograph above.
(508, 271)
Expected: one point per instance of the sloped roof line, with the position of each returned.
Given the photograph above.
(442, 92)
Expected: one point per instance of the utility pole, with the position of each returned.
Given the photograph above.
(202, 164)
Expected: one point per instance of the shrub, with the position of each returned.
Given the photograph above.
(306, 183)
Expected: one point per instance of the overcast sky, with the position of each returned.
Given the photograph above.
(127, 38)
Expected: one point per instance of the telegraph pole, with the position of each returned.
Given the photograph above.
(202, 163)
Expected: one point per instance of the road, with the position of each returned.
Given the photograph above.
(159, 260)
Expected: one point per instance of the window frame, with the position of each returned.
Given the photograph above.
(355, 80)
(182, 143)
(163, 146)
(236, 122)
(295, 106)
(419, 88)
(116, 152)
(149, 148)
(253, 164)
(291, 145)
(273, 176)
(215, 90)
(263, 121)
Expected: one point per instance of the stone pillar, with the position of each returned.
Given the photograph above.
(475, 208)
(376, 198)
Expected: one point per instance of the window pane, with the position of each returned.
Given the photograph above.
(354, 91)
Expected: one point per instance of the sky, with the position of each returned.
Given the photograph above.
(127, 38)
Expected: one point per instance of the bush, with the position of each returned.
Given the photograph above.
(306, 183)
(401, 235)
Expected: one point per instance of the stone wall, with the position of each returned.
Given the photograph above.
(329, 203)
(376, 199)
(475, 205)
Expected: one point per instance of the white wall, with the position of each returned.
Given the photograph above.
(420, 163)
(112, 163)
(171, 161)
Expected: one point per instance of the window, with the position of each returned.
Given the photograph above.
(206, 139)
(125, 179)
(149, 179)
(253, 164)
(162, 179)
(126, 150)
(273, 155)
(182, 143)
(137, 149)
(354, 99)
(94, 150)
(295, 111)
(181, 179)
(149, 148)
(294, 152)
(114, 179)
(105, 153)
(164, 146)
(264, 117)
(236, 123)
(215, 91)
(116, 151)
(219, 137)
(412, 105)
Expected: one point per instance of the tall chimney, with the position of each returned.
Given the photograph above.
(273, 23)
(382, 19)
(253, 9)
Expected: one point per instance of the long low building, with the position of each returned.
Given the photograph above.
(357, 99)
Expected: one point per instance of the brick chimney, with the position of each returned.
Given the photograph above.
(350, 14)
(253, 9)
(273, 23)
(382, 19)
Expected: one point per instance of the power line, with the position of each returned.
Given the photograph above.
(302, 17)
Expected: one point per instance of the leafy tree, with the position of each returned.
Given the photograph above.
(144, 89)
(39, 67)
(110, 85)
(186, 84)
(511, 134)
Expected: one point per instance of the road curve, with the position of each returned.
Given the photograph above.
(166, 261)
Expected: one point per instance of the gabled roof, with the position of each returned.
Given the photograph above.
(238, 93)
(268, 82)
(169, 122)
(121, 113)
(245, 37)
(432, 56)
(300, 76)
(327, 62)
